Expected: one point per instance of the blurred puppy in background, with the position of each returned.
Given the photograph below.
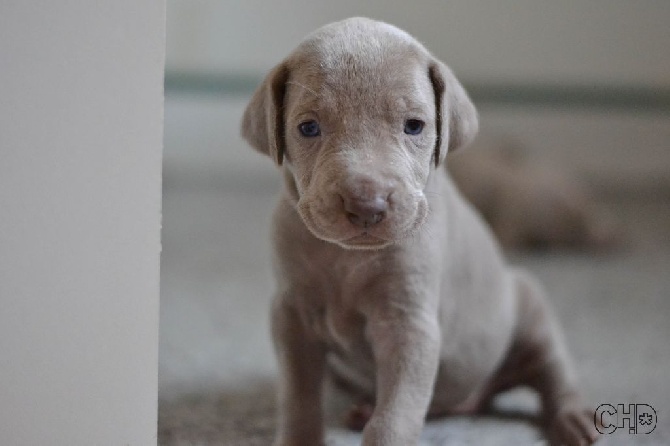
(529, 206)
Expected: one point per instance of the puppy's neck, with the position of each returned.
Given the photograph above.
(290, 186)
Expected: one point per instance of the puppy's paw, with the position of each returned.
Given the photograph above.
(572, 426)
(358, 416)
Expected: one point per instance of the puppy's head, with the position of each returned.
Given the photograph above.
(359, 115)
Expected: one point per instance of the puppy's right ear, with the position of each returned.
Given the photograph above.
(456, 117)
(263, 121)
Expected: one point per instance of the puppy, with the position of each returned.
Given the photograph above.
(387, 279)
(531, 207)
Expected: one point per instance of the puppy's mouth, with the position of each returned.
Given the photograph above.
(337, 229)
(364, 240)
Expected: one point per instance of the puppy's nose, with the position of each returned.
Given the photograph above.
(365, 212)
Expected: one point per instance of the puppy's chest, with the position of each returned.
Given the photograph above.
(332, 312)
(339, 327)
(333, 286)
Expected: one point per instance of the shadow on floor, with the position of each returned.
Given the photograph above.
(243, 416)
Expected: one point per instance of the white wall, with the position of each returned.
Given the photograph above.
(80, 191)
(601, 41)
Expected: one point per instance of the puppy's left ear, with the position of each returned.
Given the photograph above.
(456, 117)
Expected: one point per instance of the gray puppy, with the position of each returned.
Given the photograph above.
(386, 277)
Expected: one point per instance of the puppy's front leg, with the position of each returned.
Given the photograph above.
(406, 350)
(301, 361)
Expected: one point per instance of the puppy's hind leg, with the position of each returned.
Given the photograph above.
(538, 358)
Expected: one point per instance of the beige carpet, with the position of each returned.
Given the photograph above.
(217, 372)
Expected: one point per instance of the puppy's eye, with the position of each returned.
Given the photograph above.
(309, 128)
(413, 126)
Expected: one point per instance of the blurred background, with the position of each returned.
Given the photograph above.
(580, 89)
